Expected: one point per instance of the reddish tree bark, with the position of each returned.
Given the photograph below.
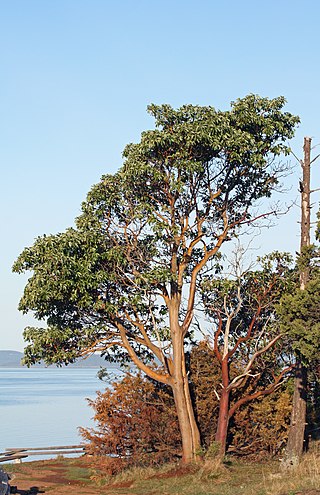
(230, 341)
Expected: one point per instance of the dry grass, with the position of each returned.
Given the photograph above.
(216, 478)
(139, 473)
(305, 476)
(210, 478)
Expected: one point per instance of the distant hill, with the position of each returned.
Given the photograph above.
(12, 359)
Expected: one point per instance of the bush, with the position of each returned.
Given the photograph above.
(136, 425)
(261, 427)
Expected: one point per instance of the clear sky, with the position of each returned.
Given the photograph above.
(76, 77)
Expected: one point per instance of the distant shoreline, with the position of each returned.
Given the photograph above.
(12, 359)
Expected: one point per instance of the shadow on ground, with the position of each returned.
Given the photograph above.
(33, 490)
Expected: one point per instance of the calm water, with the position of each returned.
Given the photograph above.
(44, 407)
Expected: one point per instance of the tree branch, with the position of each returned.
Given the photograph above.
(248, 398)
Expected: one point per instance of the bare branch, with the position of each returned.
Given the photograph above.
(248, 398)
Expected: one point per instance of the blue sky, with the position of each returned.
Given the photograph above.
(76, 77)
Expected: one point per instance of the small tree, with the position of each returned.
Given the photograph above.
(246, 338)
(300, 319)
(124, 282)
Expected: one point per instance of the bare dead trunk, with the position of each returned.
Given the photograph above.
(296, 436)
(305, 208)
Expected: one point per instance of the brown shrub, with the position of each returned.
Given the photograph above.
(205, 377)
(136, 424)
(261, 427)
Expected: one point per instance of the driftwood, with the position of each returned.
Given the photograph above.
(16, 454)
(12, 457)
(59, 447)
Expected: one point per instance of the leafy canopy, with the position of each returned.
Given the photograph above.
(115, 282)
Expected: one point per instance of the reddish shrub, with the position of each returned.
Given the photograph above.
(136, 424)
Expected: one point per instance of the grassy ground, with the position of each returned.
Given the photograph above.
(73, 477)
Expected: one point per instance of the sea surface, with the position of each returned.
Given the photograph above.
(44, 407)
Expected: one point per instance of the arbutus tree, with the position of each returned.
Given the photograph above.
(124, 281)
(252, 354)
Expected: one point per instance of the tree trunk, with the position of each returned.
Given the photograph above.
(189, 430)
(296, 435)
(223, 421)
(196, 440)
(190, 435)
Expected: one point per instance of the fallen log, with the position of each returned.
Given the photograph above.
(14, 457)
(59, 447)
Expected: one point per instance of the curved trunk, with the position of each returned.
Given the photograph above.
(189, 430)
(190, 435)
(196, 440)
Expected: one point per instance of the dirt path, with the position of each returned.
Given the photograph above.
(52, 477)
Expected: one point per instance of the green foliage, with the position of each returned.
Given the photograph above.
(213, 450)
(306, 257)
(148, 230)
(299, 314)
(299, 309)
